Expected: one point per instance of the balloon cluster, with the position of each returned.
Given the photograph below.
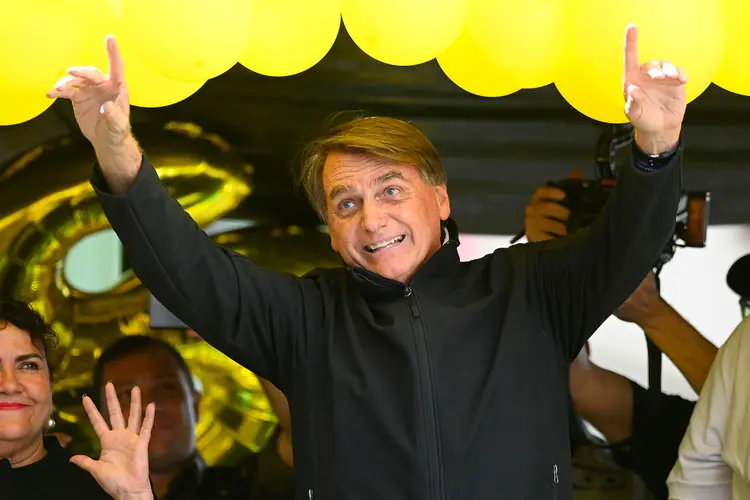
(491, 48)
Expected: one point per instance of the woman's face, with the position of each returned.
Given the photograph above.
(25, 395)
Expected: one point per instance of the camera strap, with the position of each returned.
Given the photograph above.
(654, 361)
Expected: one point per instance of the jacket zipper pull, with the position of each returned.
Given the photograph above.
(555, 477)
(310, 494)
(408, 294)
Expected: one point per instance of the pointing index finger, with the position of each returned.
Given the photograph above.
(631, 49)
(116, 65)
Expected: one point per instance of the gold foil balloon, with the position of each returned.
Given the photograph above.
(48, 206)
(234, 407)
(283, 249)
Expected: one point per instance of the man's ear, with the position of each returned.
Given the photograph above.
(334, 245)
(444, 203)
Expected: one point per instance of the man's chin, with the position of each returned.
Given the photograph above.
(394, 273)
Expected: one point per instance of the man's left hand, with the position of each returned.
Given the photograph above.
(655, 98)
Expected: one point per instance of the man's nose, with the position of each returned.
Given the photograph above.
(374, 216)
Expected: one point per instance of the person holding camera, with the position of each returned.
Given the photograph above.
(644, 431)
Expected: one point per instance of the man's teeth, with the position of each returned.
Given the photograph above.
(377, 246)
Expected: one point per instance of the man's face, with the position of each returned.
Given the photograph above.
(161, 381)
(383, 217)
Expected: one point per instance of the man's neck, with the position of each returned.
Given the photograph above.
(25, 454)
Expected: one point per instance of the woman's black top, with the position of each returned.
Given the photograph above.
(52, 477)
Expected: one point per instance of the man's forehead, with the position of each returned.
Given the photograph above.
(346, 171)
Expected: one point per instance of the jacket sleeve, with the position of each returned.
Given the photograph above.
(255, 317)
(701, 472)
(575, 283)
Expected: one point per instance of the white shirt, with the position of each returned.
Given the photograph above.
(714, 457)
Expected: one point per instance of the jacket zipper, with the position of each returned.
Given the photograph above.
(434, 452)
(555, 480)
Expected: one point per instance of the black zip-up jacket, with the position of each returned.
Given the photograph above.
(450, 387)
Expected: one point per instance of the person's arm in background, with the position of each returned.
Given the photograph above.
(280, 406)
(717, 428)
(602, 397)
(691, 352)
(256, 317)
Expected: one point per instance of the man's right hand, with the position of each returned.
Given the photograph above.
(102, 108)
(100, 102)
(546, 218)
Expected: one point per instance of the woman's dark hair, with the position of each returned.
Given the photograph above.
(135, 344)
(24, 317)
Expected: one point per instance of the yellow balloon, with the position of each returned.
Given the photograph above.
(100, 20)
(189, 40)
(470, 67)
(734, 71)
(522, 37)
(404, 32)
(19, 107)
(590, 76)
(38, 43)
(149, 89)
(587, 101)
(289, 36)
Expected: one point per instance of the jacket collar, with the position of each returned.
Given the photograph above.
(435, 273)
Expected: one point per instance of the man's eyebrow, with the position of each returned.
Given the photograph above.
(339, 189)
(389, 176)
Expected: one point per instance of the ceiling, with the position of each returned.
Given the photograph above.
(496, 151)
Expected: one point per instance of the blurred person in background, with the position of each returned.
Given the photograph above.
(33, 466)
(714, 456)
(643, 431)
(177, 469)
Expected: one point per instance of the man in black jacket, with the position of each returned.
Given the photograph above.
(410, 374)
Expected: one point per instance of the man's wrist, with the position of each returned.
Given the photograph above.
(120, 164)
(145, 495)
(657, 143)
(658, 316)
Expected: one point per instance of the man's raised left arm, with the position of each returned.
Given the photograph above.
(576, 283)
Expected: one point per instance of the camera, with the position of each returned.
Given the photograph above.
(586, 198)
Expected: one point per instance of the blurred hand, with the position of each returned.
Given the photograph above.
(122, 468)
(546, 218)
(643, 304)
(100, 102)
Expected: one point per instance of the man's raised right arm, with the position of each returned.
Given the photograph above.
(254, 316)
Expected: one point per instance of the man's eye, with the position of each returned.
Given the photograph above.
(392, 191)
(347, 204)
